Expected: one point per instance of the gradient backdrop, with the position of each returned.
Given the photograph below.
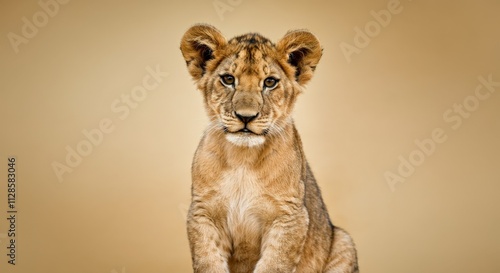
(401, 125)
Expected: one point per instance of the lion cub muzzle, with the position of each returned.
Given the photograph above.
(245, 136)
(246, 130)
(246, 106)
(245, 119)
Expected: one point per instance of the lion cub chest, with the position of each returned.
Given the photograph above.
(241, 195)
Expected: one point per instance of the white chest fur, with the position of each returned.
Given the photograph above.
(241, 192)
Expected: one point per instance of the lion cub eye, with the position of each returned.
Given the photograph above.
(227, 80)
(270, 82)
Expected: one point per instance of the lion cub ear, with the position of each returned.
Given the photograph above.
(301, 49)
(199, 45)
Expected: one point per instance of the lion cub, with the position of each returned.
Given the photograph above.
(255, 204)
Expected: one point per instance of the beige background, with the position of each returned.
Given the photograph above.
(122, 208)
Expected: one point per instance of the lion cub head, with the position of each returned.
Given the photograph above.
(249, 84)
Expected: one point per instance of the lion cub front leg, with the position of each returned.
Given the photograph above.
(284, 242)
(206, 245)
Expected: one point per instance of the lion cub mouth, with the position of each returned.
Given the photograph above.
(245, 138)
(246, 130)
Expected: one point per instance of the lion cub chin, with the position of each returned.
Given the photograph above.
(245, 140)
(255, 205)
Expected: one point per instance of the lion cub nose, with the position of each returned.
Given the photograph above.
(246, 118)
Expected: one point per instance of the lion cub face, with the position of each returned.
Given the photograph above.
(249, 84)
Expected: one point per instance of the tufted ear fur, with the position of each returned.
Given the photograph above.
(300, 49)
(199, 45)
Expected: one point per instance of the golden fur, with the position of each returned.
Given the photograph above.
(255, 204)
